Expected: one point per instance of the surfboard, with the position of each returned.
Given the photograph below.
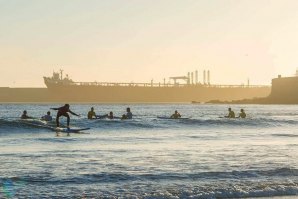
(101, 116)
(59, 129)
(107, 118)
(169, 118)
(71, 130)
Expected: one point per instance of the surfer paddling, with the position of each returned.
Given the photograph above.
(63, 111)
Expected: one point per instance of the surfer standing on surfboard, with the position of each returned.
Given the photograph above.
(63, 111)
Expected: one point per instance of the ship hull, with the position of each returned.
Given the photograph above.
(114, 94)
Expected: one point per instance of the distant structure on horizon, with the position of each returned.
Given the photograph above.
(284, 90)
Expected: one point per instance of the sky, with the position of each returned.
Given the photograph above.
(141, 40)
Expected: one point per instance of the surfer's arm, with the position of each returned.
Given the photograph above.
(229, 116)
(56, 109)
(73, 113)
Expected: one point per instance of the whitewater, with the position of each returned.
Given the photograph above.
(204, 156)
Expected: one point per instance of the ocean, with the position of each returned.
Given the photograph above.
(204, 156)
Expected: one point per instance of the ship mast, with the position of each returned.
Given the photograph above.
(61, 74)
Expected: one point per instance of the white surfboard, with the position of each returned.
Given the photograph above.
(169, 118)
(71, 130)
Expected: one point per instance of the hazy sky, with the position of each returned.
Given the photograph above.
(140, 40)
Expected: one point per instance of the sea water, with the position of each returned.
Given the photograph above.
(202, 157)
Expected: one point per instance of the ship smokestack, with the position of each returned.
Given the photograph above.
(204, 77)
(61, 74)
(208, 76)
(196, 76)
(188, 76)
(192, 78)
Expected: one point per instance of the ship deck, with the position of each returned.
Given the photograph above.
(114, 84)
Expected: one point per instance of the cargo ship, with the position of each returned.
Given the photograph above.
(63, 88)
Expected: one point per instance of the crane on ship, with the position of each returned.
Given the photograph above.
(185, 78)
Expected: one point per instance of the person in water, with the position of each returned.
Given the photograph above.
(128, 114)
(63, 111)
(111, 115)
(231, 114)
(91, 114)
(176, 115)
(25, 116)
(47, 117)
(242, 114)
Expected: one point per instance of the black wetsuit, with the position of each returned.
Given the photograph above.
(63, 111)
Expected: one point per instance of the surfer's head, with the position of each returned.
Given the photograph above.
(66, 105)
(176, 111)
(25, 112)
(242, 110)
(92, 109)
(48, 113)
(230, 109)
(128, 109)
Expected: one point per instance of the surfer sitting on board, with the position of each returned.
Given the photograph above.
(176, 115)
(63, 111)
(91, 114)
(231, 114)
(47, 117)
(25, 116)
(111, 115)
(242, 114)
(128, 114)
